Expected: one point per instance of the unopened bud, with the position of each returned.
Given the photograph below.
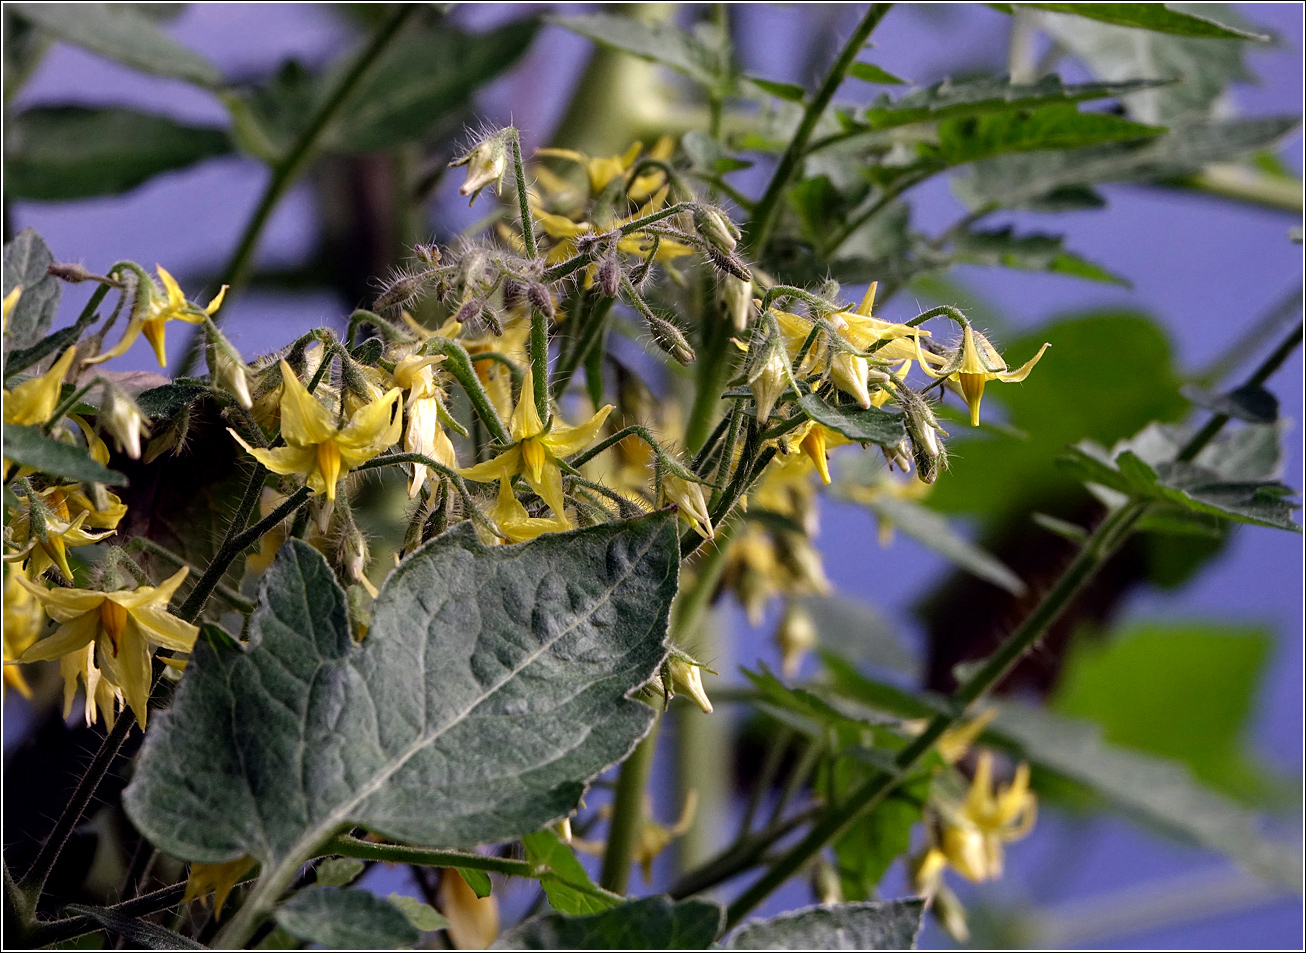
(609, 276)
(669, 337)
(122, 418)
(228, 370)
(400, 290)
(795, 637)
(687, 679)
(715, 226)
(693, 507)
(769, 383)
(737, 301)
(513, 293)
(540, 299)
(849, 372)
(486, 163)
(728, 264)
(470, 312)
(427, 254)
(923, 431)
(69, 272)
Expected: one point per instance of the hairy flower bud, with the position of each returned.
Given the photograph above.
(670, 338)
(736, 301)
(227, 369)
(693, 506)
(849, 372)
(122, 418)
(687, 679)
(923, 430)
(716, 228)
(609, 275)
(540, 299)
(486, 163)
(768, 383)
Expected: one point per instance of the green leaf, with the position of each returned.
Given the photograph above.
(870, 73)
(1160, 793)
(848, 682)
(26, 260)
(1251, 403)
(1034, 252)
(950, 100)
(874, 925)
(338, 871)
(856, 630)
(55, 153)
(1158, 17)
(1182, 691)
(168, 400)
(121, 33)
(61, 340)
(343, 919)
(142, 934)
(877, 839)
(869, 425)
(653, 923)
(478, 880)
(1027, 180)
(659, 42)
(567, 885)
(790, 92)
(1058, 127)
(29, 447)
(493, 682)
(933, 531)
(421, 915)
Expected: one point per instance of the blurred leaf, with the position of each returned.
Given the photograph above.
(24, 46)
(345, 919)
(1251, 403)
(121, 33)
(338, 871)
(1159, 17)
(61, 340)
(874, 925)
(958, 100)
(870, 73)
(29, 447)
(877, 695)
(1027, 180)
(567, 885)
(790, 92)
(55, 153)
(869, 425)
(933, 531)
(659, 42)
(421, 915)
(26, 260)
(478, 880)
(1180, 691)
(1034, 252)
(876, 840)
(855, 630)
(1158, 792)
(653, 923)
(142, 934)
(1049, 128)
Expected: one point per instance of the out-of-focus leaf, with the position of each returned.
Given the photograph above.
(55, 153)
(951, 100)
(869, 425)
(790, 92)
(29, 447)
(855, 630)
(659, 42)
(567, 885)
(932, 530)
(421, 915)
(24, 46)
(479, 665)
(1060, 127)
(1027, 180)
(876, 840)
(26, 260)
(142, 934)
(849, 683)
(870, 73)
(118, 32)
(338, 871)
(1034, 252)
(1158, 17)
(1180, 691)
(653, 923)
(872, 925)
(342, 919)
(1158, 792)
(1251, 403)
(57, 343)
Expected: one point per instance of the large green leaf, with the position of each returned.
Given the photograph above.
(1182, 691)
(342, 919)
(1030, 179)
(869, 425)
(493, 683)
(26, 260)
(1160, 17)
(1161, 793)
(29, 447)
(952, 100)
(121, 33)
(1058, 128)
(690, 54)
(873, 925)
(1034, 252)
(55, 153)
(566, 884)
(653, 923)
(874, 841)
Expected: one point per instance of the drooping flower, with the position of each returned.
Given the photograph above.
(163, 305)
(216, 879)
(975, 831)
(536, 450)
(33, 401)
(315, 447)
(23, 619)
(57, 519)
(973, 365)
(473, 920)
(121, 627)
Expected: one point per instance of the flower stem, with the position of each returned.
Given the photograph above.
(628, 813)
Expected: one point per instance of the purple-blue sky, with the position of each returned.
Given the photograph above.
(1204, 267)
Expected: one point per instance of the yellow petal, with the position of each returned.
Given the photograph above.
(549, 487)
(525, 421)
(868, 302)
(216, 303)
(62, 604)
(506, 464)
(33, 401)
(164, 629)
(563, 441)
(373, 428)
(175, 297)
(129, 669)
(124, 343)
(69, 637)
(1020, 373)
(304, 421)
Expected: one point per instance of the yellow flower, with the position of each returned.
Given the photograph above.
(424, 434)
(23, 618)
(518, 525)
(535, 452)
(973, 365)
(216, 879)
(33, 401)
(689, 499)
(164, 305)
(600, 171)
(7, 306)
(121, 626)
(687, 679)
(862, 330)
(66, 512)
(319, 449)
(974, 832)
(889, 487)
(473, 920)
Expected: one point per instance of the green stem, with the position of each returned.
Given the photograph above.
(628, 813)
(764, 216)
(70, 928)
(347, 846)
(459, 364)
(69, 403)
(289, 168)
(523, 199)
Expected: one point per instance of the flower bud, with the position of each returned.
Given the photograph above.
(609, 275)
(122, 418)
(795, 637)
(670, 338)
(227, 369)
(736, 301)
(486, 163)
(687, 679)
(716, 228)
(473, 920)
(923, 430)
(540, 299)
(849, 373)
(768, 383)
(428, 255)
(425, 436)
(693, 507)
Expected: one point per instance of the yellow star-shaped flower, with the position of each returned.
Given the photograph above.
(974, 364)
(974, 833)
(33, 401)
(164, 305)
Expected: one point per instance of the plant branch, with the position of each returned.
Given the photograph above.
(347, 846)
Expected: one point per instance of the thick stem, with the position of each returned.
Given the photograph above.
(628, 814)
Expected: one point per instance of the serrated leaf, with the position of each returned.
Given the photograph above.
(1034, 252)
(869, 425)
(659, 42)
(342, 919)
(29, 447)
(493, 682)
(1158, 17)
(873, 925)
(1162, 794)
(56, 153)
(950, 100)
(567, 885)
(120, 33)
(870, 73)
(26, 260)
(421, 915)
(338, 871)
(142, 934)
(1051, 128)
(932, 530)
(790, 92)
(653, 923)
